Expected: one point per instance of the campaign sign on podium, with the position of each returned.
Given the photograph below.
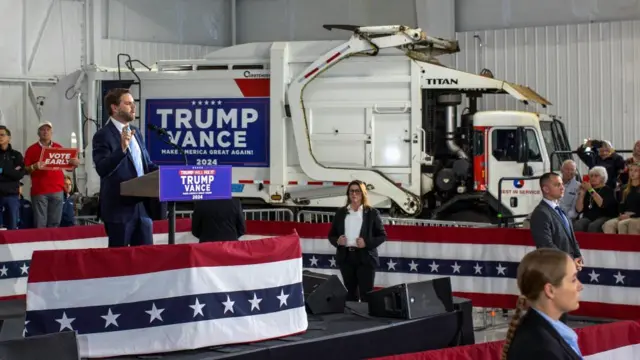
(194, 183)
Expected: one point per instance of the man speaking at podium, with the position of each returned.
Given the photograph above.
(119, 155)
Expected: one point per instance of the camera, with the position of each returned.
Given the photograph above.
(596, 144)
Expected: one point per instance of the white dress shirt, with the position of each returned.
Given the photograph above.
(134, 143)
(352, 225)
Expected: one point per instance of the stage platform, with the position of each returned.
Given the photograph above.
(352, 335)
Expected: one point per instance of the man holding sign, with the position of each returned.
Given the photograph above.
(119, 155)
(44, 161)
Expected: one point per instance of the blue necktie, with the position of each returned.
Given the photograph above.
(564, 218)
(135, 155)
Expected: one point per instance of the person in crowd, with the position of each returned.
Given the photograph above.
(218, 220)
(629, 220)
(571, 186)
(11, 172)
(356, 233)
(633, 159)
(47, 186)
(119, 155)
(550, 226)
(596, 201)
(549, 288)
(26, 212)
(68, 205)
(606, 157)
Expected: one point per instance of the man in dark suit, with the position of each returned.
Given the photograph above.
(218, 220)
(550, 226)
(119, 155)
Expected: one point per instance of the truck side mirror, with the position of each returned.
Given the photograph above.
(521, 143)
(523, 151)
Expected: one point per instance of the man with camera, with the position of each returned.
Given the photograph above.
(601, 153)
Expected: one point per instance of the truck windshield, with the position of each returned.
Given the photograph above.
(556, 141)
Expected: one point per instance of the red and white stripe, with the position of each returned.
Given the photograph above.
(322, 65)
(404, 241)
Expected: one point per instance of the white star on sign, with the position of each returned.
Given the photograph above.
(219, 102)
(65, 322)
(228, 305)
(619, 278)
(25, 269)
(456, 268)
(478, 268)
(255, 302)
(314, 261)
(413, 266)
(193, 102)
(332, 262)
(3, 271)
(155, 313)
(594, 276)
(206, 102)
(110, 318)
(501, 269)
(200, 102)
(391, 265)
(197, 308)
(283, 298)
(434, 266)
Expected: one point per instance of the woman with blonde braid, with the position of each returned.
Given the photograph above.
(548, 282)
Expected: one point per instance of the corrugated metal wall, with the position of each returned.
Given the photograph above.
(590, 72)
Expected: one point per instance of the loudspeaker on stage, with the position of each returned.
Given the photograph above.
(412, 300)
(323, 294)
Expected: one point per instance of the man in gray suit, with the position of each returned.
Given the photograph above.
(550, 226)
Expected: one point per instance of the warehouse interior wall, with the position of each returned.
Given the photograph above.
(474, 15)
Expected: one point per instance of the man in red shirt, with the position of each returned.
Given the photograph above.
(47, 186)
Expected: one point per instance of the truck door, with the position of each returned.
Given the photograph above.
(515, 153)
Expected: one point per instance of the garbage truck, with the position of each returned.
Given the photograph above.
(299, 120)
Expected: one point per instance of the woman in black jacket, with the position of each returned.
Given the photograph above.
(11, 172)
(356, 233)
(548, 281)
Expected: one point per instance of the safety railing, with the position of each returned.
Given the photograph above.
(315, 217)
(269, 215)
(82, 220)
(321, 217)
(184, 214)
(433, 223)
(312, 217)
(252, 214)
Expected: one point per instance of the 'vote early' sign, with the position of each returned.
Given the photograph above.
(193, 183)
(58, 158)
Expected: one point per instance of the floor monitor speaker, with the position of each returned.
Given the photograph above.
(323, 294)
(412, 300)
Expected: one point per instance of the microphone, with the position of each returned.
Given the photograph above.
(158, 130)
(169, 141)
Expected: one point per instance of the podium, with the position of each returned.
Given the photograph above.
(173, 184)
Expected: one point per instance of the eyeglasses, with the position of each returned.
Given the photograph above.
(355, 191)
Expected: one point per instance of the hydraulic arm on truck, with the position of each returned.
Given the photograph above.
(365, 41)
